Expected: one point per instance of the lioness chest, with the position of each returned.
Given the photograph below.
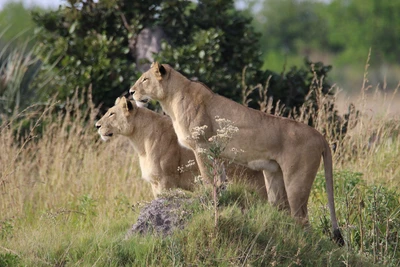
(149, 169)
(184, 137)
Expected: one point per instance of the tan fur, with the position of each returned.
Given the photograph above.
(288, 152)
(154, 139)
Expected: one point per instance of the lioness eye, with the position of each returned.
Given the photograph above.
(111, 114)
(144, 80)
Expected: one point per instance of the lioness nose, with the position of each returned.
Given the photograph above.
(131, 91)
(97, 125)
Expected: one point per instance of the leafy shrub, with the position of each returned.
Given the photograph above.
(6, 228)
(9, 259)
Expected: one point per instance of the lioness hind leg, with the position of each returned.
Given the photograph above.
(276, 191)
(298, 187)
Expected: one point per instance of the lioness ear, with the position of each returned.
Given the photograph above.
(162, 70)
(117, 101)
(158, 70)
(127, 105)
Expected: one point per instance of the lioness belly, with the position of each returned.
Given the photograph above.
(260, 164)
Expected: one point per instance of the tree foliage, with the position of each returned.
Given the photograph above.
(291, 25)
(221, 43)
(356, 26)
(346, 28)
(89, 43)
(85, 44)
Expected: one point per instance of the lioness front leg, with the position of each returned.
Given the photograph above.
(156, 188)
(164, 184)
(202, 164)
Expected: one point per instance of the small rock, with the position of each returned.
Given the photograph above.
(163, 215)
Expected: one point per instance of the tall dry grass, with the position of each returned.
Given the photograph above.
(51, 157)
(372, 145)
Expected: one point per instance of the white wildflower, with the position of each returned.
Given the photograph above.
(181, 169)
(190, 163)
(198, 179)
(201, 150)
(198, 131)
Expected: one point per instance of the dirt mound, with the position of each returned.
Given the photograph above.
(163, 215)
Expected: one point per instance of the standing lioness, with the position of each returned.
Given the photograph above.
(163, 162)
(154, 140)
(288, 152)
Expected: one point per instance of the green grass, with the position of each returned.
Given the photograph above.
(250, 232)
(368, 213)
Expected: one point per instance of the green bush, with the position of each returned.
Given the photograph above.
(9, 259)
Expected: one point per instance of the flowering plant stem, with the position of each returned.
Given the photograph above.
(215, 191)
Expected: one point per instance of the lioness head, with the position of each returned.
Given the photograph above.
(150, 84)
(115, 121)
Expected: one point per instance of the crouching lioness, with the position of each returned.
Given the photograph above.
(163, 162)
(288, 152)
